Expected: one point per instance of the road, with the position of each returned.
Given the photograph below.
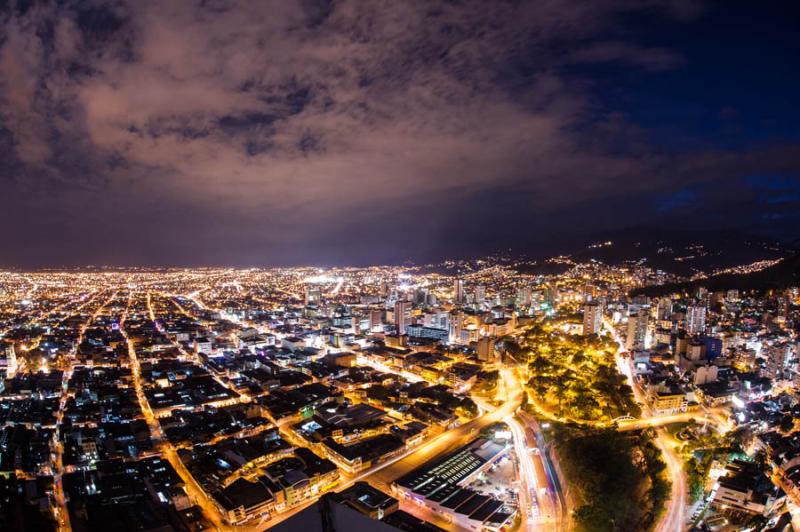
(62, 512)
(713, 416)
(196, 494)
(675, 516)
(531, 508)
(551, 497)
(537, 511)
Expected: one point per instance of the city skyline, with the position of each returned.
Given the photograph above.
(285, 133)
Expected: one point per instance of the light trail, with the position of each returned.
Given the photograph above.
(527, 474)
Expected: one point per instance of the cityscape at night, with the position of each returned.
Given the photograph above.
(375, 265)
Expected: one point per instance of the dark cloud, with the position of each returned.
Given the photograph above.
(232, 132)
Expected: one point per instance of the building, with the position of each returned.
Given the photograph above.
(705, 374)
(668, 402)
(480, 295)
(637, 330)
(664, 309)
(551, 296)
(440, 487)
(592, 318)
(401, 316)
(375, 319)
(313, 295)
(346, 512)
(524, 296)
(695, 351)
(746, 488)
(369, 501)
(695, 319)
(243, 500)
(8, 361)
(420, 331)
(485, 349)
(776, 357)
(458, 291)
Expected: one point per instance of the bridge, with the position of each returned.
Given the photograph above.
(714, 418)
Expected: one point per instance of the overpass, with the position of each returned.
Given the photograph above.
(713, 417)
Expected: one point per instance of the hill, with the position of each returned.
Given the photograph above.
(784, 274)
(682, 252)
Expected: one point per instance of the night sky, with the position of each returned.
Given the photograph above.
(352, 132)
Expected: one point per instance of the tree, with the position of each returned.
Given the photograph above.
(469, 407)
(541, 366)
(787, 423)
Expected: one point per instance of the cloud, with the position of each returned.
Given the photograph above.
(171, 130)
(628, 54)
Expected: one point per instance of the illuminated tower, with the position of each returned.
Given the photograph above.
(458, 291)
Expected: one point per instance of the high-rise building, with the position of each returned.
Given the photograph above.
(637, 330)
(458, 291)
(456, 327)
(524, 296)
(480, 294)
(401, 316)
(776, 357)
(485, 349)
(695, 319)
(592, 318)
(8, 361)
(550, 296)
(664, 309)
(375, 319)
(438, 319)
(589, 292)
(313, 295)
(784, 306)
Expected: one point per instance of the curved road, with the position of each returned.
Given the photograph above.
(675, 516)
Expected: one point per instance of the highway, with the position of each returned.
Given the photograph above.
(528, 497)
(553, 507)
(536, 504)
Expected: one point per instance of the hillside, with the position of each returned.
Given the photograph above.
(784, 274)
(682, 252)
